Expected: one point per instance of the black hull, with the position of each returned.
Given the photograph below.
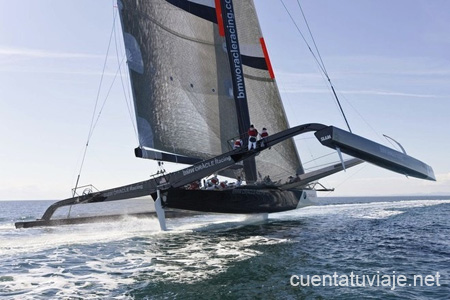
(245, 200)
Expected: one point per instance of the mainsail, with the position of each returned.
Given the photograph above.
(187, 100)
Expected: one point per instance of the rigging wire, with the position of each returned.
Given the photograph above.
(303, 37)
(313, 160)
(348, 178)
(128, 98)
(91, 128)
(107, 94)
(92, 125)
(319, 60)
(324, 165)
(377, 134)
(312, 38)
(326, 74)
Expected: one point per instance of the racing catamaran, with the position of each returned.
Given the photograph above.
(201, 75)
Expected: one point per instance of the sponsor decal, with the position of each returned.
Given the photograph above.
(233, 50)
(125, 189)
(206, 164)
(249, 192)
(325, 138)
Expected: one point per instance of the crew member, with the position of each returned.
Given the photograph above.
(195, 185)
(252, 134)
(238, 182)
(215, 180)
(213, 183)
(290, 179)
(263, 135)
(237, 144)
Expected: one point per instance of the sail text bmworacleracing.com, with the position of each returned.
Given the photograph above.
(234, 50)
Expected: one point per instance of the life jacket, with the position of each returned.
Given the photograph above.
(253, 132)
(214, 180)
(264, 134)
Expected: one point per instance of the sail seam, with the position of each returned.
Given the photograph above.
(146, 17)
(258, 78)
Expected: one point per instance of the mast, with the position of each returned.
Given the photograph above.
(225, 8)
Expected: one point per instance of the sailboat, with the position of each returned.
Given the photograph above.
(201, 75)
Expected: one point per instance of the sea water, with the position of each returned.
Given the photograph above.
(347, 248)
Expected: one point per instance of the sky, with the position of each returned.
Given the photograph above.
(389, 62)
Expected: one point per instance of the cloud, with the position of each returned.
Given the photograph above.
(63, 72)
(22, 60)
(309, 83)
(343, 67)
(441, 180)
(390, 185)
(36, 53)
(389, 93)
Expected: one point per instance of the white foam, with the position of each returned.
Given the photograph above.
(357, 210)
(68, 272)
(38, 239)
(59, 260)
